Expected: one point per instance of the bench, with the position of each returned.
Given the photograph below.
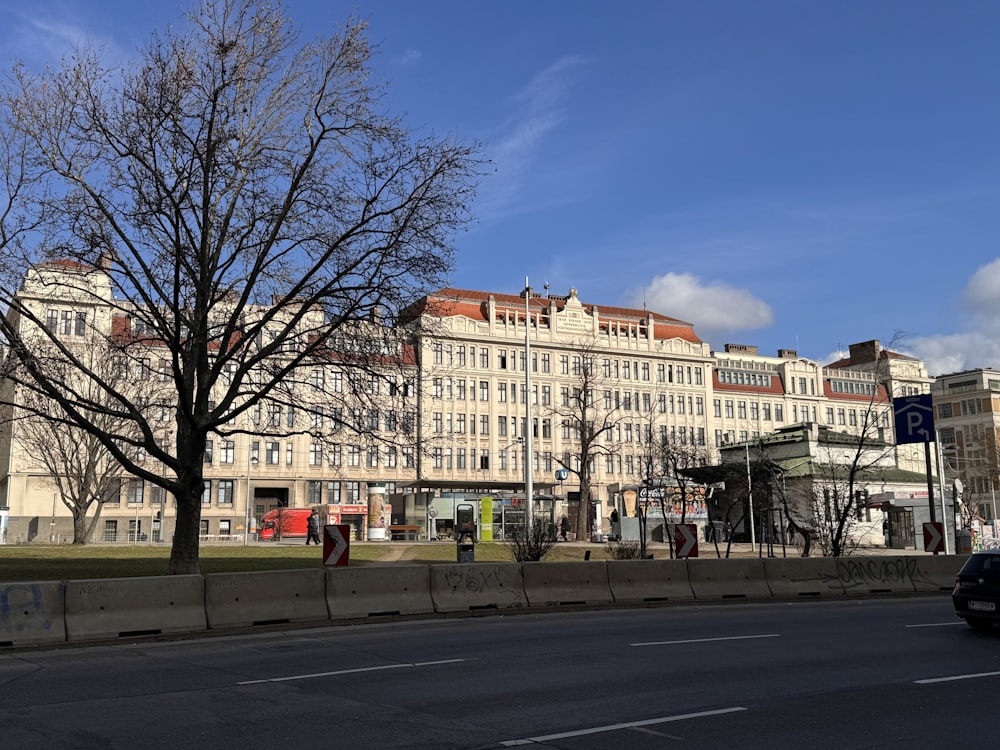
(398, 531)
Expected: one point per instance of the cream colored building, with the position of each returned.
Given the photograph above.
(324, 463)
(457, 415)
(967, 418)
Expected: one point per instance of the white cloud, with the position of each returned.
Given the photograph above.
(711, 307)
(979, 346)
(409, 57)
(45, 35)
(538, 110)
(982, 293)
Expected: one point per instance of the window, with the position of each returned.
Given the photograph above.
(225, 527)
(729, 409)
(227, 451)
(224, 492)
(315, 454)
(484, 424)
(484, 357)
(272, 452)
(314, 492)
(353, 492)
(546, 363)
(136, 491)
(354, 456)
(110, 531)
(373, 456)
(206, 492)
(207, 456)
(333, 493)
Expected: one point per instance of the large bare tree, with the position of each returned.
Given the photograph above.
(245, 200)
(589, 408)
(82, 470)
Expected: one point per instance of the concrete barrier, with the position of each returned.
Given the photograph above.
(801, 577)
(390, 590)
(739, 578)
(634, 581)
(32, 613)
(936, 572)
(482, 586)
(101, 609)
(237, 600)
(876, 575)
(566, 583)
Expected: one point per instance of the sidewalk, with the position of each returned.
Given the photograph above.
(708, 549)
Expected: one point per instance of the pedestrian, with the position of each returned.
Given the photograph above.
(313, 524)
(616, 532)
(564, 529)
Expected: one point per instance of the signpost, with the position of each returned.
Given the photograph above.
(686, 540)
(914, 422)
(336, 545)
(934, 537)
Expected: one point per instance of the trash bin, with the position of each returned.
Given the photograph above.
(466, 550)
(964, 542)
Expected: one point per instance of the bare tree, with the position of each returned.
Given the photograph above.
(590, 410)
(235, 201)
(674, 458)
(84, 473)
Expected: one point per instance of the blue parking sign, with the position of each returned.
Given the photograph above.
(914, 419)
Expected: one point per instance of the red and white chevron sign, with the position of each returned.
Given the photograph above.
(686, 540)
(336, 544)
(933, 537)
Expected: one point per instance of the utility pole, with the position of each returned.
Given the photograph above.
(528, 486)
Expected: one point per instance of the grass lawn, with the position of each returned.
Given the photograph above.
(71, 562)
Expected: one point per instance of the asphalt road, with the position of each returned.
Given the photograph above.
(881, 673)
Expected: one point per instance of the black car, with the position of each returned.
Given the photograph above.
(977, 590)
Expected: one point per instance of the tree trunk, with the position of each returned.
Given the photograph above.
(184, 556)
(80, 525)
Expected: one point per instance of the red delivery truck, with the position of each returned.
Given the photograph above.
(285, 523)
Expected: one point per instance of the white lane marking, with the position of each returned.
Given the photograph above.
(957, 677)
(936, 624)
(708, 640)
(349, 671)
(614, 727)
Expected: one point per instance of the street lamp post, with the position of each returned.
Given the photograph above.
(528, 488)
(251, 462)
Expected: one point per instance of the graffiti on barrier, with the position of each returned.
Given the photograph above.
(22, 608)
(874, 573)
(480, 579)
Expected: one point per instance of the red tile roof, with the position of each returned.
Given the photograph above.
(452, 302)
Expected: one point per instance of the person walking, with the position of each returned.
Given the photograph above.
(313, 526)
(564, 529)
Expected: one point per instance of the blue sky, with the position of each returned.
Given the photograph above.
(793, 174)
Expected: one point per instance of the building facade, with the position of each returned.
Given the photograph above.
(967, 418)
(462, 410)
